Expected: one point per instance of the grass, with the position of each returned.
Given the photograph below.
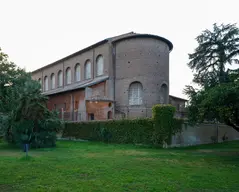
(76, 166)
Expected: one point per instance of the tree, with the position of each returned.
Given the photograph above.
(216, 49)
(218, 96)
(12, 79)
(24, 117)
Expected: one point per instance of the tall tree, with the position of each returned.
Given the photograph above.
(218, 96)
(24, 116)
(216, 49)
(12, 80)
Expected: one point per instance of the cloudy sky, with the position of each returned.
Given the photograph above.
(36, 33)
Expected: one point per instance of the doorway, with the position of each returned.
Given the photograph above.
(91, 116)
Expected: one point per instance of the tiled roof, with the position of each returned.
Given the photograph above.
(112, 39)
(77, 85)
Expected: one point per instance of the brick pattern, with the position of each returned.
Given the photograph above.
(143, 59)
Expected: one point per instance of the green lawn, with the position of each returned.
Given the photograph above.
(78, 166)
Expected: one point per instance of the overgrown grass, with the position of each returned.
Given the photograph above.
(76, 166)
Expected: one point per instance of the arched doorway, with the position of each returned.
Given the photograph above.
(109, 115)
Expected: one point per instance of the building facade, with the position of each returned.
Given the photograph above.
(122, 76)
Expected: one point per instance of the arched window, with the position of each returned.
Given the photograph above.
(87, 69)
(39, 80)
(68, 76)
(100, 65)
(135, 93)
(77, 72)
(53, 81)
(46, 83)
(164, 94)
(60, 79)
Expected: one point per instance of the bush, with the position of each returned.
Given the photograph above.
(163, 116)
(114, 131)
(153, 131)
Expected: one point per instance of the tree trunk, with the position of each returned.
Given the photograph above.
(234, 126)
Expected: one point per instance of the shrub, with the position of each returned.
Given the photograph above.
(153, 131)
(114, 131)
(177, 125)
(163, 116)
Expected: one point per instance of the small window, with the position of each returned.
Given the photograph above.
(88, 70)
(135, 93)
(68, 76)
(53, 81)
(60, 79)
(178, 107)
(77, 72)
(100, 65)
(46, 83)
(40, 81)
(164, 94)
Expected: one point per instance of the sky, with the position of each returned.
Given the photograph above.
(37, 33)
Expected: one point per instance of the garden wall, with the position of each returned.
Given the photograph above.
(157, 130)
(203, 134)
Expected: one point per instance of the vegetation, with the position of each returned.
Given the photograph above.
(153, 131)
(24, 117)
(218, 96)
(77, 166)
(163, 119)
(114, 131)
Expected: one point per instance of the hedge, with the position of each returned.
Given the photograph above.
(153, 131)
(115, 131)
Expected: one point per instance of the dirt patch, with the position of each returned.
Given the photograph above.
(6, 187)
(131, 152)
(195, 164)
(205, 151)
(221, 153)
(92, 155)
(10, 154)
(19, 154)
(146, 159)
(227, 153)
(174, 161)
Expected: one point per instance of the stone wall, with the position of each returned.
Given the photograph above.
(204, 134)
(146, 61)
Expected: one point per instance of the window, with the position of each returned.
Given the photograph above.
(53, 81)
(39, 80)
(60, 79)
(46, 83)
(77, 72)
(164, 94)
(100, 65)
(135, 93)
(68, 76)
(88, 70)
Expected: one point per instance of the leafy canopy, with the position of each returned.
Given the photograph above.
(218, 96)
(24, 116)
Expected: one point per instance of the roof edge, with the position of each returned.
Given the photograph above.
(73, 54)
(178, 98)
(135, 35)
(118, 38)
